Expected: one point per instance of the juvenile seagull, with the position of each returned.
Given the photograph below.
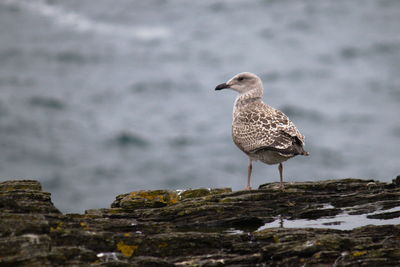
(260, 131)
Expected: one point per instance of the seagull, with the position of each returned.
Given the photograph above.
(262, 132)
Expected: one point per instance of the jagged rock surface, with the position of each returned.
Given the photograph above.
(204, 227)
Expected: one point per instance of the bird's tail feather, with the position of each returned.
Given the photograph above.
(305, 153)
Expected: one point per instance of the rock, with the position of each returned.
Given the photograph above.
(356, 224)
(25, 196)
(192, 193)
(145, 199)
(396, 181)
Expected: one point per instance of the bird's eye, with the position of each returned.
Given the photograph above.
(240, 79)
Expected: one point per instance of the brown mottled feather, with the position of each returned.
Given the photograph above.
(262, 132)
(257, 126)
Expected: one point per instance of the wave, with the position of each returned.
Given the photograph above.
(46, 102)
(80, 23)
(126, 139)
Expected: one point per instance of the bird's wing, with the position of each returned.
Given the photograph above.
(285, 125)
(263, 127)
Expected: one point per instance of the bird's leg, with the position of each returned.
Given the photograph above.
(249, 169)
(280, 168)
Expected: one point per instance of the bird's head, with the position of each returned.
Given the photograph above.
(242, 83)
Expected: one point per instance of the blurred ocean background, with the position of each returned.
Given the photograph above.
(99, 98)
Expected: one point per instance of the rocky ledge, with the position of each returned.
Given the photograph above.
(349, 222)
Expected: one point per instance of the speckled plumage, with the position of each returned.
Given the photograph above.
(262, 132)
(257, 128)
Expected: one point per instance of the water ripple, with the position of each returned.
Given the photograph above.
(83, 24)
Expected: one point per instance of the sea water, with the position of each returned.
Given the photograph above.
(102, 98)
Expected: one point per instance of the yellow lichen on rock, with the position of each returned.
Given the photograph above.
(149, 199)
(59, 227)
(163, 196)
(163, 245)
(173, 201)
(84, 225)
(317, 255)
(359, 253)
(126, 250)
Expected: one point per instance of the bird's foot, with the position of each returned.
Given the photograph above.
(282, 187)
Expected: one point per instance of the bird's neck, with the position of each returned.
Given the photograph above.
(248, 97)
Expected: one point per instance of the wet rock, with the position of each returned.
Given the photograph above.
(385, 215)
(318, 213)
(207, 227)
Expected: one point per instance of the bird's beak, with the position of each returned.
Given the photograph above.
(222, 86)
